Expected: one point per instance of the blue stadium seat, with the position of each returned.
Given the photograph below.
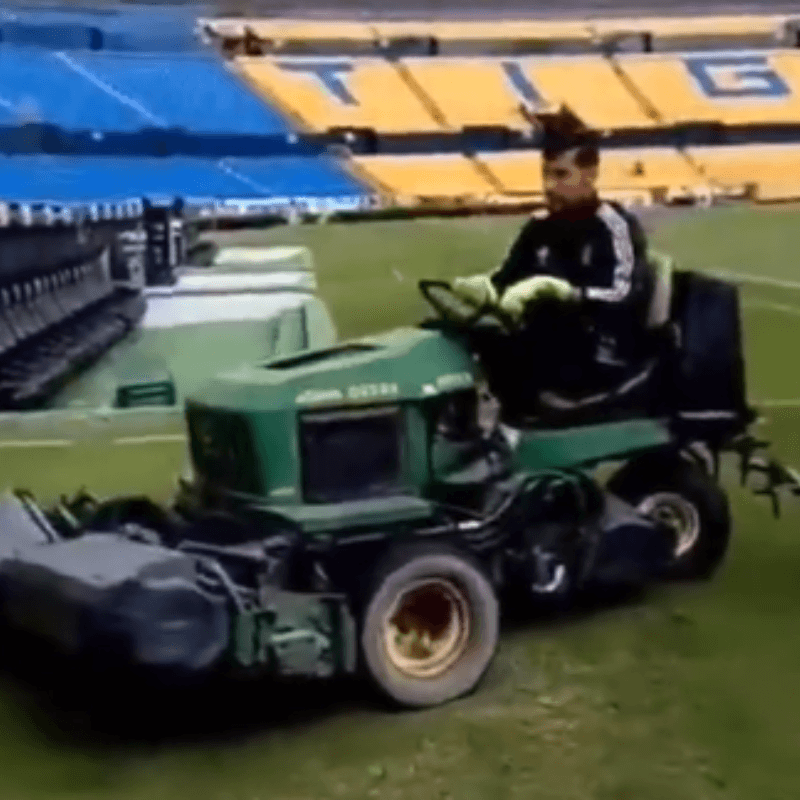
(138, 28)
(39, 178)
(102, 91)
(284, 176)
(38, 86)
(98, 179)
(190, 91)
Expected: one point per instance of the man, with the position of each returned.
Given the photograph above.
(587, 254)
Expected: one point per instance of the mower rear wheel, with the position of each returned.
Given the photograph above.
(688, 500)
(431, 626)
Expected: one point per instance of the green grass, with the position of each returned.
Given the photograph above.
(688, 694)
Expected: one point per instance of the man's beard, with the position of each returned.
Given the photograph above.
(580, 207)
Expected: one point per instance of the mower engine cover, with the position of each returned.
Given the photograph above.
(105, 596)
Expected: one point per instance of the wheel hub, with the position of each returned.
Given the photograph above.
(678, 514)
(427, 629)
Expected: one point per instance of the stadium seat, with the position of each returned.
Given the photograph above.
(43, 178)
(17, 313)
(32, 307)
(194, 92)
(320, 94)
(711, 26)
(64, 295)
(295, 30)
(772, 170)
(127, 92)
(45, 303)
(287, 176)
(656, 169)
(412, 179)
(731, 88)
(490, 91)
(653, 168)
(591, 88)
(469, 91)
(518, 172)
(8, 336)
(504, 30)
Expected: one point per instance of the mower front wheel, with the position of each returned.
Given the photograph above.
(431, 626)
(686, 498)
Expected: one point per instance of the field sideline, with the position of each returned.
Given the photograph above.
(688, 694)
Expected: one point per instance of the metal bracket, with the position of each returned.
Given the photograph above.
(777, 476)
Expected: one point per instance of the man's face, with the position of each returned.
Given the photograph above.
(566, 184)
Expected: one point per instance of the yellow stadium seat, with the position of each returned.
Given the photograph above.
(413, 179)
(730, 88)
(354, 93)
(773, 169)
(739, 25)
(299, 30)
(656, 169)
(309, 30)
(487, 30)
(652, 168)
(490, 91)
(591, 88)
(519, 173)
(468, 91)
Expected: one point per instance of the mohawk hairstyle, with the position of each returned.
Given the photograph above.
(562, 131)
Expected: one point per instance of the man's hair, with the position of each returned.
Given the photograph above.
(563, 131)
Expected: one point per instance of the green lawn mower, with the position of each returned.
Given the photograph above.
(366, 507)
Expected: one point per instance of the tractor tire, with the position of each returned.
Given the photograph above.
(430, 627)
(686, 497)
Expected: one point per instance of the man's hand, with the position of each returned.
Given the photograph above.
(477, 290)
(517, 297)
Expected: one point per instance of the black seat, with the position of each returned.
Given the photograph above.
(46, 302)
(8, 336)
(32, 307)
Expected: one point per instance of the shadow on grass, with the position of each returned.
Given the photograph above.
(71, 704)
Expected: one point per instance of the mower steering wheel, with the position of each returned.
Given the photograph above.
(486, 310)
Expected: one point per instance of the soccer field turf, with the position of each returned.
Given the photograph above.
(688, 694)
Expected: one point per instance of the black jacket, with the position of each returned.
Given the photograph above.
(601, 249)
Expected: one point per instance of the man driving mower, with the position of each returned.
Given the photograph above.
(577, 279)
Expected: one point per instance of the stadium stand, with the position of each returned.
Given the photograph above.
(322, 94)
(128, 92)
(415, 180)
(728, 87)
(60, 307)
